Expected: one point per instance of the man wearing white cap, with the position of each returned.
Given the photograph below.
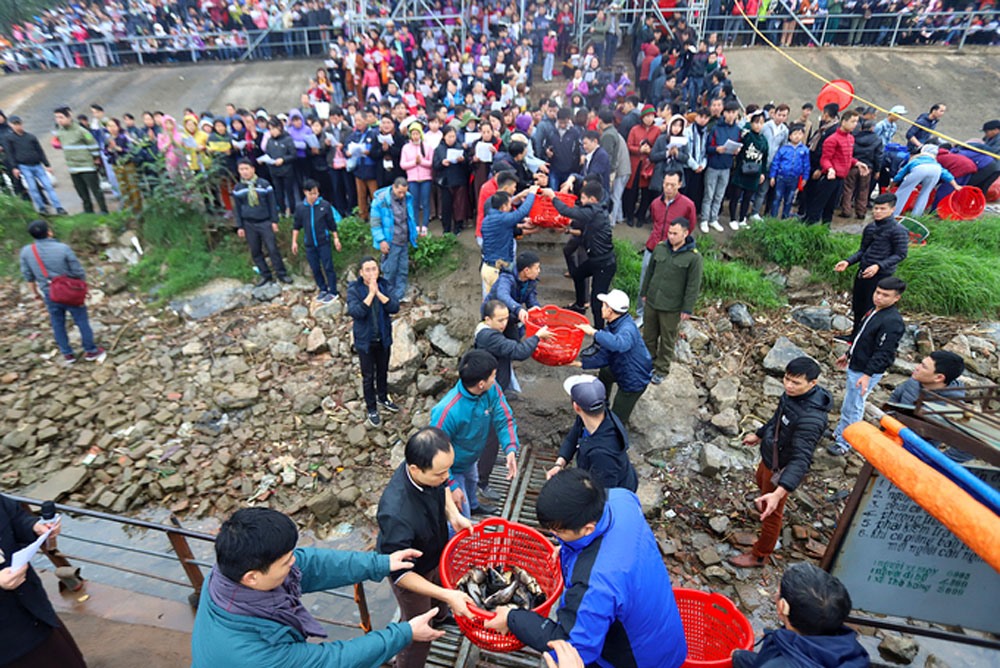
(619, 353)
(597, 438)
(886, 128)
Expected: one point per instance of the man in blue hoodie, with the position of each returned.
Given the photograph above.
(394, 231)
(319, 220)
(500, 227)
(618, 608)
(813, 607)
(466, 414)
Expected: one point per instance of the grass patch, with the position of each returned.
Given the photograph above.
(944, 281)
(979, 237)
(728, 280)
(74, 230)
(629, 259)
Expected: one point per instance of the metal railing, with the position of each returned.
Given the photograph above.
(783, 27)
(180, 552)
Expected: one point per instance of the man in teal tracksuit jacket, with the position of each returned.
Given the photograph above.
(466, 414)
(237, 624)
(394, 230)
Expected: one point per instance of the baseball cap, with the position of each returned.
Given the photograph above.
(988, 125)
(586, 391)
(16, 120)
(616, 300)
(899, 110)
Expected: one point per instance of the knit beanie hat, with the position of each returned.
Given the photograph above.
(647, 110)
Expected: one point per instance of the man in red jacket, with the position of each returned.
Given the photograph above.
(665, 209)
(835, 162)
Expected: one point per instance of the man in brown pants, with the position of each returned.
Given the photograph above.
(414, 511)
(786, 443)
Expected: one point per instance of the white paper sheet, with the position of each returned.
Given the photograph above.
(472, 137)
(678, 141)
(732, 146)
(265, 160)
(24, 555)
(453, 154)
(484, 152)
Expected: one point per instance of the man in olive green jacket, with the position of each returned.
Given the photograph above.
(670, 291)
(83, 156)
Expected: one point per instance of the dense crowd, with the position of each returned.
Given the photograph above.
(114, 33)
(406, 139)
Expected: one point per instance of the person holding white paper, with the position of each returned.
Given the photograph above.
(31, 634)
(452, 176)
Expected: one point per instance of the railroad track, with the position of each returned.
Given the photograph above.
(454, 650)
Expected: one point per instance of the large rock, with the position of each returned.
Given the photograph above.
(740, 316)
(726, 392)
(783, 352)
(266, 292)
(316, 341)
(59, 484)
(324, 505)
(728, 422)
(697, 339)
(274, 330)
(206, 305)
(898, 648)
(404, 352)
(667, 414)
(305, 403)
(237, 395)
(773, 387)
(650, 493)
(441, 340)
(284, 351)
(429, 384)
(710, 460)
(814, 317)
(841, 323)
(798, 278)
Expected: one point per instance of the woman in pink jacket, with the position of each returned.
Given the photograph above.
(416, 160)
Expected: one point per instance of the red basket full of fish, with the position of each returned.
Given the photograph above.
(498, 562)
(543, 213)
(562, 348)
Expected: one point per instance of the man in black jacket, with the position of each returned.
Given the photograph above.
(370, 305)
(562, 148)
(596, 239)
(280, 159)
(792, 433)
(884, 244)
(256, 215)
(25, 157)
(871, 353)
(597, 438)
(31, 633)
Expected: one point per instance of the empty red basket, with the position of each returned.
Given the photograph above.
(965, 204)
(543, 213)
(565, 345)
(713, 628)
(498, 542)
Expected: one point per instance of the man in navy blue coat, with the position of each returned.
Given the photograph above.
(618, 607)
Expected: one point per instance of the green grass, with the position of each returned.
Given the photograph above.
(728, 280)
(944, 281)
(629, 259)
(76, 230)
(979, 237)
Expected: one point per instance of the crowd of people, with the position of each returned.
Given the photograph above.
(663, 142)
(111, 33)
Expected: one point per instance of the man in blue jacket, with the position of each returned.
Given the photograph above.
(370, 305)
(720, 162)
(812, 608)
(466, 414)
(620, 354)
(618, 608)
(394, 230)
(319, 221)
(500, 227)
(518, 290)
(251, 613)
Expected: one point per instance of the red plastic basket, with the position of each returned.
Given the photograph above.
(713, 628)
(496, 542)
(565, 345)
(543, 213)
(966, 204)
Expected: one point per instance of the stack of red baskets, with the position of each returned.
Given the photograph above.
(562, 348)
(498, 542)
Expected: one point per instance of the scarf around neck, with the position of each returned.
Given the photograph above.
(252, 198)
(282, 605)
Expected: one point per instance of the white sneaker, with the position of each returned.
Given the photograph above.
(744, 223)
(704, 227)
(734, 224)
(716, 226)
(755, 218)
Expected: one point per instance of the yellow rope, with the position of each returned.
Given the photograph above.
(857, 97)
